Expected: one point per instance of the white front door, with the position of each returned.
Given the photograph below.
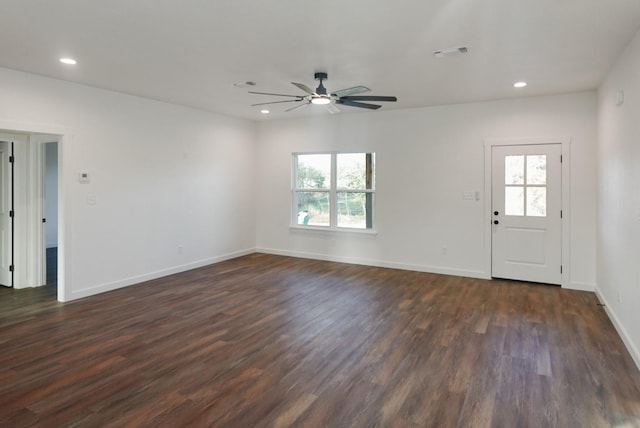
(526, 213)
(6, 240)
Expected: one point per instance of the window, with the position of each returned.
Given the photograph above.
(334, 190)
(526, 185)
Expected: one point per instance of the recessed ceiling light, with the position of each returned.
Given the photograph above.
(68, 61)
(265, 111)
(520, 84)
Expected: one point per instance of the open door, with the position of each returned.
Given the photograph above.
(6, 214)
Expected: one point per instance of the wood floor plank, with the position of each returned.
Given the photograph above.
(271, 341)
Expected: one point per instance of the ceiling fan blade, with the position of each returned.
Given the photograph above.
(305, 88)
(368, 98)
(275, 95)
(357, 104)
(332, 108)
(350, 91)
(276, 102)
(298, 106)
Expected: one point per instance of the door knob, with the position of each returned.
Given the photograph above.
(495, 222)
(496, 213)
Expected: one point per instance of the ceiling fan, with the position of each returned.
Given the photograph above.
(320, 96)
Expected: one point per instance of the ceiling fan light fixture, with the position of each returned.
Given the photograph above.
(321, 100)
(348, 97)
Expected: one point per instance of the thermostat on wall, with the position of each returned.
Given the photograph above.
(84, 177)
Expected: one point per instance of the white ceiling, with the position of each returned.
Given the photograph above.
(191, 52)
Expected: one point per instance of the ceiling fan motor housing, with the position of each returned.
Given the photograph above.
(321, 76)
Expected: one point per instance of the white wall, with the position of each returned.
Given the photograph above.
(619, 196)
(425, 159)
(162, 176)
(165, 176)
(51, 194)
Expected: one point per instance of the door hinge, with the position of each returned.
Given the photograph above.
(560, 213)
(10, 268)
(11, 214)
(11, 159)
(560, 268)
(560, 158)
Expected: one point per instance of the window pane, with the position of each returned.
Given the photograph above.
(514, 200)
(313, 171)
(313, 208)
(355, 210)
(537, 201)
(514, 169)
(355, 170)
(537, 169)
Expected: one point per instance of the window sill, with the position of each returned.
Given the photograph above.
(340, 230)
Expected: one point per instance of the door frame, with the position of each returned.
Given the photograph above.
(565, 206)
(37, 252)
(11, 226)
(64, 138)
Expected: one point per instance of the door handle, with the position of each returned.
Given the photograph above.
(495, 222)
(496, 213)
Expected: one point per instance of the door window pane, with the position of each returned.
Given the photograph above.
(537, 169)
(313, 171)
(313, 208)
(353, 208)
(514, 200)
(537, 201)
(514, 169)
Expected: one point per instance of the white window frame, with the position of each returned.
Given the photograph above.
(333, 191)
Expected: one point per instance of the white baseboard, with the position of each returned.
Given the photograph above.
(622, 332)
(580, 286)
(377, 263)
(102, 288)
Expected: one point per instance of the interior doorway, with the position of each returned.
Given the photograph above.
(6, 214)
(29, 198)
(51, 212)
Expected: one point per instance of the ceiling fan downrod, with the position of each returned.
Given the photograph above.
(321, 90)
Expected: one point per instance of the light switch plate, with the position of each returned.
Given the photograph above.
(83, 177)
(468, 195)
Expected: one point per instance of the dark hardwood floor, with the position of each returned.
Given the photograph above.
(274, 341)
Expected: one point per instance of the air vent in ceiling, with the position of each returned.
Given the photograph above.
(451, 52)
(244, 84)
